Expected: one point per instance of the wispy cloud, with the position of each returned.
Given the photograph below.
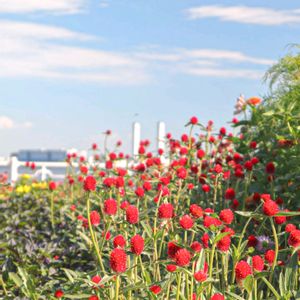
(34, 50)
(48, 6)
(209, 62)
(245, 14)
(226, 73)
(8, 123)
(43, 51)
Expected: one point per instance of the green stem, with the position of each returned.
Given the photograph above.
(95, 244)
(52, 210)
(178, 286)
(211, 260)
(276, 248)
(238, 249)
(117, 287)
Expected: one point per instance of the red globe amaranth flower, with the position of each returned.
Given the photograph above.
(140, 192)
(193, 120)
(224, 243)
(106, 235)
(290, 227)
(253, 145)
(58, 294)
(279, 219)
(257, 263)
(270, 168)
(226, 216)
(217, 296)
(172, 249)
(155, 289)
(119, 241)
(270, 256)
(171, 268)
(166, 211)
(252, 241)
(196, 211)
(242, 270)
(205, 240)
(110, 207)
(200, 276)
(186, 222)
(52, 186)
(94, 297)
(294, 238)
(200, 153)
(181, 173)
(229, 230)
(196, 246)
(124, 205)
(270, 208)
(95, 218)
(118, 260)
(222, 130)
(132, 214)
(96, 279)
(137, 244)
(89, 184)
(230, 194)
(182, 257)
(205, 188)
(211, 221)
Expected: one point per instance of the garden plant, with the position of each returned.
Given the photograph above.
(213, 216)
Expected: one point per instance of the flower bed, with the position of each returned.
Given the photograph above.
(212, 223)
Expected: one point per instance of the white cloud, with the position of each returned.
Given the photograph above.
(209, 62)
(233, 56)
(104, 4)
(8, 123)
(49, 6)
(245, 14)
(33, 50)
(226, 73)
(42, 51)
(27, 124)
(25, 30)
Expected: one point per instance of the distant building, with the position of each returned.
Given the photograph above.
(41, 155)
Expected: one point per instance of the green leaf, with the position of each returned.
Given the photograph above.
(268, 113)
(249, 283)
(220, 236)
(288, 213)
(234, 296)
(70, 274)
(16, 279)
(270, 286)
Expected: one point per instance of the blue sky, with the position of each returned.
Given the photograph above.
(70, 69)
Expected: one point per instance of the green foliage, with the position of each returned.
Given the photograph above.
(275, 126)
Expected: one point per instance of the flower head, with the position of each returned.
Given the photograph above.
(110, 206)
(242, 270)
(95, 218)
(182, 257)
(186, 222)
(118, 260)
(294, 238)
(137, 244)
(132, 214)
(89, 184)
(166, 211)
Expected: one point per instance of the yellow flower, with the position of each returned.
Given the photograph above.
(27, 189)
(20, 189)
